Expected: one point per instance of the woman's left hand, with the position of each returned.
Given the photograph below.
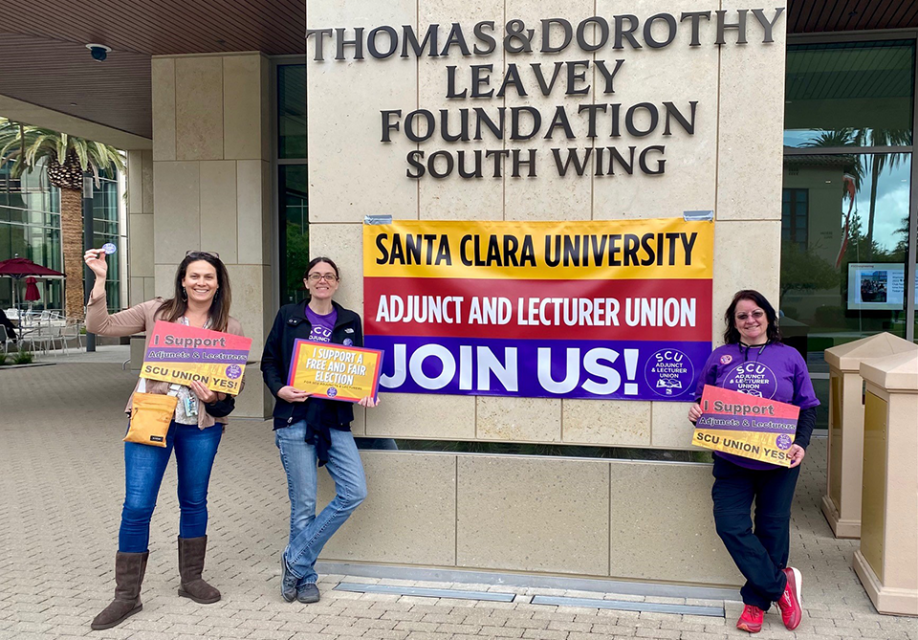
(204, 394)
(796, 454)
(368, 402)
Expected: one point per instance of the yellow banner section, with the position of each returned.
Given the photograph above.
(216, 377)
(755, 445)
(333, 371)
(656, 248)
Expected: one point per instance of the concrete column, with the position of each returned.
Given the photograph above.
(844, 478)
(212, 183)
(887, 561)
(140, 226)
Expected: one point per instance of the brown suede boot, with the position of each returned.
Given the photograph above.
(129, 570)
(191, 564)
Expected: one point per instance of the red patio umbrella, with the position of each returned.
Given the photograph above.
(18, 268)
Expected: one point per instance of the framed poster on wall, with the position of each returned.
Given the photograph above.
(876, 286)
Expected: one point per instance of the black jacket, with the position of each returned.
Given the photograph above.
(291, 323)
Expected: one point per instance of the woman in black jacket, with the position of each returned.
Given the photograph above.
(307, 429)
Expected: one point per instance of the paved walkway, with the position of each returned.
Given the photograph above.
(61, 487)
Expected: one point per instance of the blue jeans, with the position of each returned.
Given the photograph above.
(308, 533)
(144, 466)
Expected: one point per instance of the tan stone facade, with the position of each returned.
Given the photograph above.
(211, 177)
(584, 517)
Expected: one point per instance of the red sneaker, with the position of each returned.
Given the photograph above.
(791, 611)
(751, 620)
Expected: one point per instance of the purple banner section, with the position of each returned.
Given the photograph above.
(760, 424)
(182, 354)
(634, 370)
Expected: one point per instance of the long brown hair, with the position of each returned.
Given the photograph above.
(176, 306)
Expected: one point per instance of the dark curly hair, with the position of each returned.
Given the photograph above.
(732, 335)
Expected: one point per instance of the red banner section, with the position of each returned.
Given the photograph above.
(530, 309)
(725, 402)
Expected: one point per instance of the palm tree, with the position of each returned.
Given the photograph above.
(879, 161)
(67, 158)
(851, 137)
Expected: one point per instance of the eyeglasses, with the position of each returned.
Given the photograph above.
(758, 314)
(328, 277)
(212, 254)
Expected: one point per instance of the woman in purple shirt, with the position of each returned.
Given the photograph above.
(755, 361)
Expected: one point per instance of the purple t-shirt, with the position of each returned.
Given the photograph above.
(774, 371)
(322, 326)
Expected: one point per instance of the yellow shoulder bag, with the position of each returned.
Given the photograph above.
(151, 415)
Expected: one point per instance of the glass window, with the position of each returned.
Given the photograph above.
(794, 217)
(843, 266)
(849, 94)
(291, 111)
(294, 231)
(30, 227)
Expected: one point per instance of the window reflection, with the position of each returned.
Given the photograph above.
(291, 111)
(844, 245)
(849, 94)
(294, 231)
(30, 228)
(844, 225)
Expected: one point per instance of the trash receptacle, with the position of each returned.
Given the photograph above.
(887, 560)
(841, 503)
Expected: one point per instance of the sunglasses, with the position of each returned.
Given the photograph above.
(195, 252)
(758, 314)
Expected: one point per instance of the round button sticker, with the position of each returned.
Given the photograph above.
(233, 371)
(332, 392)
(669, 372)
(109, 248)
(784, 442)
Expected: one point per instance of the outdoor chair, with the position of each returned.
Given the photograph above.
(39, 337)
(30, 319)
(68, 332)
(5, 340)
(56, 336)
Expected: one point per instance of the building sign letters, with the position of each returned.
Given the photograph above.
(611, 144)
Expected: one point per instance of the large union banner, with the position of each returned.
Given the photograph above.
(617, 309)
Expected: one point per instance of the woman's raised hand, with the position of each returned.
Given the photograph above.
(95, 260)
(292, 394)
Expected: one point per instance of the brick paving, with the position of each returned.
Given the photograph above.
(61, 486)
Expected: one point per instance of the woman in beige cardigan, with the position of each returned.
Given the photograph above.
(201, 299)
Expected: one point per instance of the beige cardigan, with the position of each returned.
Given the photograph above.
(138, 319)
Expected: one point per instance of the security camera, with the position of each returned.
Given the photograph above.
(98, 51)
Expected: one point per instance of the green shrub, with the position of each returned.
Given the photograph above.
(23, 357)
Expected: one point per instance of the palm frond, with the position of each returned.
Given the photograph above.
(30, 144)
